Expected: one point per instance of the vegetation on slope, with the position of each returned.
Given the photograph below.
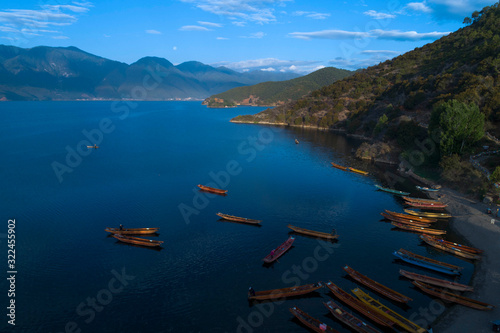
(276, 93)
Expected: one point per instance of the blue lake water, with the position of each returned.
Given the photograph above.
(71, 276)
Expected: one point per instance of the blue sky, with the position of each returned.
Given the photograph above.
(272, 35)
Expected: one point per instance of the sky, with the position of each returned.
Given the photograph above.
(271, 35)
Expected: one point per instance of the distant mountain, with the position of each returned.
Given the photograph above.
(68, 73)
(276, 93)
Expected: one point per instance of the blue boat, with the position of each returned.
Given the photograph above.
(429, 263)
(427, 189)
(391, 190)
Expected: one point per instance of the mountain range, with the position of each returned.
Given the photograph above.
(68, 73)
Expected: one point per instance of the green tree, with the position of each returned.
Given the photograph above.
(460, 125)
(495, 176)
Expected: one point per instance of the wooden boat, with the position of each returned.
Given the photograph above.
(387, 312)
(469, 249)
(418, 229)
(349, 319)
(452, 297)
(332, 235)
(312, 323)
(284, 292)
(339, 166)
(412, 199)
(279, 251)
(93, 147)
(432, 241)
(132, 231)
(424, 205)
(429, 263)
(412, 217)
(138, 240)
(359, 306)
(385, 189)
(428, 214)
(405, 221)
(238, 219)
(436, 281)
(423, 188)
(212, 189)
(361, 172)
(374, 285)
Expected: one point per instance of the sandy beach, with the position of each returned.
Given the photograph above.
(471, 221)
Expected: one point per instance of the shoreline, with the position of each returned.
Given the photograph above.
(472, 223)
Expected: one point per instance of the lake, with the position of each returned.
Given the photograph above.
(73, 277)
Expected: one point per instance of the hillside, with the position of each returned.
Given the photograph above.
(463, 65)
(68, 73)
(276, 93)
(429, 108)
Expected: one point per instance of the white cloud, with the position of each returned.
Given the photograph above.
(269, 69)
(239, 23)
(210, 24)
(329, 34)
(60, 37)
(379, 16)
(194, 28)
(174, 48)
(378, 33)
(271, 63)
(258, 35)
(387, 52)
(259, 11)
(407, 35)
(222, 38)
(313, 15)
(153, 32)
(419, 7)
(106, 36)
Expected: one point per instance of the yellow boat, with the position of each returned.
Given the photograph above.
(361, 172)
(428, 214)
(387, 312)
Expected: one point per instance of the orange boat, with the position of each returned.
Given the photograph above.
(212, 189)
(418, 229)
(414, 223)
(312, 323)
(412, 217)
(436, 281)
(138, 240)
(279, 251)
(238, 219)
(359, 306)
(284, 292)
(132, 231)
(452, 297)
(465, 248)
(374, 285)
(452, 249)
(425, 205)
(349, 319)
(339, 166)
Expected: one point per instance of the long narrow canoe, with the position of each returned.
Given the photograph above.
(412, 217)
(429, 263)
(279, 251)
(374, 285)
(452, 297)
(359, 306)
(428, 189)
(212, 189)
(284, 292)
(138, 240)
(415, 223)
(314, 233)
(436, 281)
(412, 199)
(391, 190)
(424, 205)
(339, 166)
(361, 172)
(387, 312)
(428, 214)
(132, 231)
(349, 319)
(418, 229)
(238, 219)
(312, 323)
(455, 250)
(465, 248)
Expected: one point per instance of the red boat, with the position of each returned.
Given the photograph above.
(425, 205)
(279, 251)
